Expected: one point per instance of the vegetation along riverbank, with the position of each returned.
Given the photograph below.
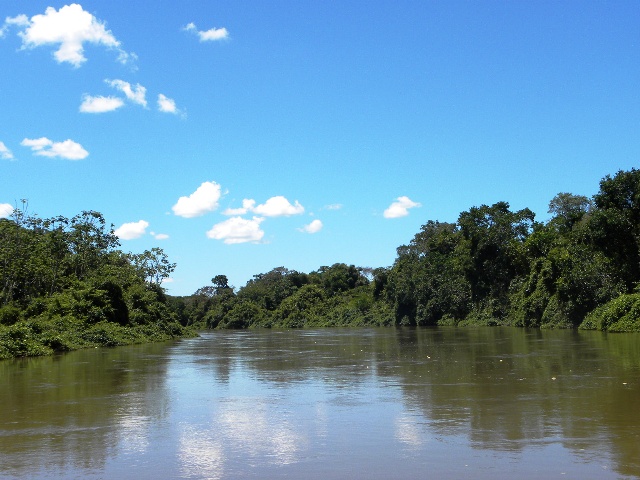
(66, 285)
(494, 266)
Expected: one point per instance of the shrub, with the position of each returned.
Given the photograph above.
(9, 314)
(619, 315)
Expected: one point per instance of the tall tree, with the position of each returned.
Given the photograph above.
(615, 225)
(493, 251)
(568, 209)
(153, 265)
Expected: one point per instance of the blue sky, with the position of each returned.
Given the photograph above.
(242, 136)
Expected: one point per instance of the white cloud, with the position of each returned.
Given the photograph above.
(5, 210)
(160, 236)
(20, 21)
(70, 27)
(100, 104)
(134, 93)
(237, 230)
(36, 143)
(208, 35)
(400, 208)
(203, 200)
(131, 230)
(314, 227)
(247, 206)
(44, 147)
(167, 105)
(278, 206)
(5, 153)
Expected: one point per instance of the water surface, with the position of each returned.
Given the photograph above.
(440, 403)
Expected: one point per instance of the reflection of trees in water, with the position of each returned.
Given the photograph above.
(511, 389)
(505, 389)
(494, 387)
(75, 410)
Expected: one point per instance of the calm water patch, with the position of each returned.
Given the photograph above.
(441, 403)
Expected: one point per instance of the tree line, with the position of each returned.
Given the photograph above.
(64, 284)
(494, 266)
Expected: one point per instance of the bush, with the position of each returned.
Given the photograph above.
(9, 314)
(243, 315)
(19, 340)
(619, 315)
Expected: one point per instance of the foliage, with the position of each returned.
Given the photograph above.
(153, 265)
(65, 285)
(619, 315)
(494, 266)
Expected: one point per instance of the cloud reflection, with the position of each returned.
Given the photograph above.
(134, 433)
(239, 426)
(260, 431)
(408, 432)
(201, 454)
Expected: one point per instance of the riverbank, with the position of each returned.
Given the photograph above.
(38, 337)
(45, 335)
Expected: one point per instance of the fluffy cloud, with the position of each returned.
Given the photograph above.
(131, 230)
(314, 227)
(100, 104)
(277, 206)
(70, 27)
(400, 208)
(160, 236)
(238, 230)
(247, 206)
(5, 153)
(203, 200)
(5, 210)
(167, 105)
(208, 35)
(135, 93)
(44, 147)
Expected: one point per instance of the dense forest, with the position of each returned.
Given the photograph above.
(494, 266)
(66, 285)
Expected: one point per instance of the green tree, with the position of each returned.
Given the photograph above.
(615, 224)
(89, 240)
(339, 277)
(269, 289)
(568, 209)
(153, 265)
(493, 253)
(427, 283)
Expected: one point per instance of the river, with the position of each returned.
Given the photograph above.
(445, 403)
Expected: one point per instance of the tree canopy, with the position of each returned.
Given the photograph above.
(494, 266)
(64, 282)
